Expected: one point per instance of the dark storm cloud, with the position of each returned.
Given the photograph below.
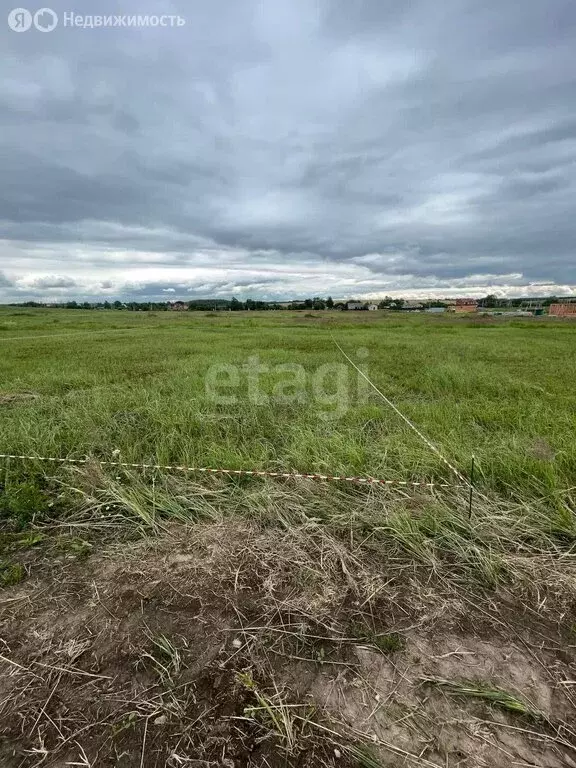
(384, 145)
(61, 194)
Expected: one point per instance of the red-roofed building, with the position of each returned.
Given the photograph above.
(564, 309)
(463, 305)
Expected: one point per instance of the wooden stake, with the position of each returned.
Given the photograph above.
(471, 488)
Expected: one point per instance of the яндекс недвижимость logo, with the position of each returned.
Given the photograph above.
(21, 20)
(45, 20)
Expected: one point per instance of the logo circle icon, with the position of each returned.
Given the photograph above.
(19, 20)
(45, 20)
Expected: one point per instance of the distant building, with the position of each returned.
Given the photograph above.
(178, 306)
(465, 305)
(372, 307)
(435, 310)
(355, 305)
(563, 309)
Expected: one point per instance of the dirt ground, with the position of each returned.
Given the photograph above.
(234, 645)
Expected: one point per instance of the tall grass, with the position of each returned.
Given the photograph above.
(503, 392)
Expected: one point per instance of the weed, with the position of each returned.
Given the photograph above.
(364, 756)
(73, 545)
(14, 542)
(22, 500)
(11, 573)
(285, 721)
(295, 725)
(165, 657)
(387, 642)
(127, 722)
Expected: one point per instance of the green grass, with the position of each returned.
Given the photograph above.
(11, 573)
(492, 695)
(135, 383)
(133, 386)
(387, 642)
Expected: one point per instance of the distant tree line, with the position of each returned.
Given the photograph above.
(494, 302)
(194, 305)
(316, 303)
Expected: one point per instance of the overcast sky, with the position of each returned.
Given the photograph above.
(283, 148)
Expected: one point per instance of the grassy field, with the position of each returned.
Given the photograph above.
(136, 383)
(242, 621)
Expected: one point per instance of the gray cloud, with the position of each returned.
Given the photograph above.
(292, 147)
(4, 282)
(53, 282)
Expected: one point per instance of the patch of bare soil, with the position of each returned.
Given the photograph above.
(232, 645)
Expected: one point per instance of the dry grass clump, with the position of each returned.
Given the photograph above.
(525, 548)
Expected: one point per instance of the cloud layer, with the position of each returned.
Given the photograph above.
(286, 148)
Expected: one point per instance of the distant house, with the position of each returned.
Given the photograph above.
(464, 305)
(435, 310)
(355, 305)
(372, 307)
(563, 309)
(178, 306)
